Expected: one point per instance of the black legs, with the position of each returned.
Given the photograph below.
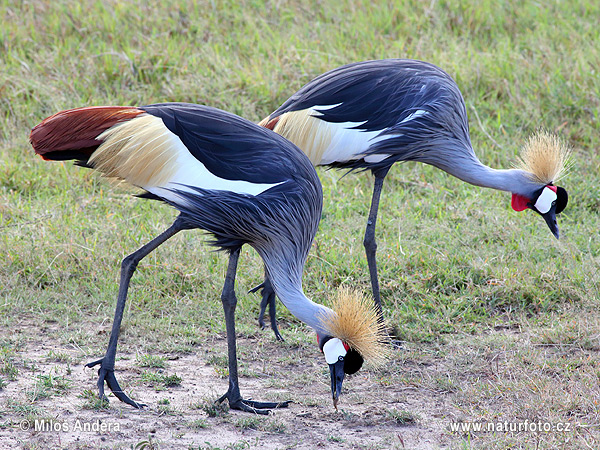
(229, 304)
(369, 241)
(107, 364)
(268, 299)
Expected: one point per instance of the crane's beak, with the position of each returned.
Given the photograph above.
(550, 218)
(337, 378)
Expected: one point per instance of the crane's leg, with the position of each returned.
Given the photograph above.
(106, 372)
(229, 303)
(268, 299)
(369, 241)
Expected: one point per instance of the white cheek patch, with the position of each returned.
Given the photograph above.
(545, 200)
(333, 349)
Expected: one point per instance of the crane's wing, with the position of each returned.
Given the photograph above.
(373, 109)
(229, 146)
(374, 94)
(163, 146)
(226, 175)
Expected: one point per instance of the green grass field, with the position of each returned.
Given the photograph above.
(498, 320)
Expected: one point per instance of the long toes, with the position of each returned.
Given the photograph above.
(114, 386)
(100, 384)
(266, 405)
(278, 335)
(108, 376)
(275, 329)
(255, 407)
(94, 363)
(256, 288)
(241, 406)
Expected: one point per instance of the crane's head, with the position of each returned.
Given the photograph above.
(545, 158)
(547, 202)
(355, 332)
(342, 359)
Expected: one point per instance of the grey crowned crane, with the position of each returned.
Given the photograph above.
(372, 114)
(238, 181)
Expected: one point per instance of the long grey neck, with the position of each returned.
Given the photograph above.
(474, 172)
(288, 287)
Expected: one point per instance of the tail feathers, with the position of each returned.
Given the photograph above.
(72, 134)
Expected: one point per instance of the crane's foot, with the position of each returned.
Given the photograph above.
(263, 305)
(268, 299)
(108, 375)
(252, 406)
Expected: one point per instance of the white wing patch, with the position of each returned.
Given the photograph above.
(143, 152)
(328, 142)
(348, 143)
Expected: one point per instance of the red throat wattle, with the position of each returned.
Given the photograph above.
(519, 202)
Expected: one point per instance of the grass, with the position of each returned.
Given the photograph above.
(214, 409)
(497, 319)
(259, 424)
(92, 401)
(7, 365)
(151, 361)
(47, 386)
(160, 380)
(403, 417)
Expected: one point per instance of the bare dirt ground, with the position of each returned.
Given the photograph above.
(369, 416)
(411, 404)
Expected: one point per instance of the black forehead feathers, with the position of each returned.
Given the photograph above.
(562, 198)
(352, 362)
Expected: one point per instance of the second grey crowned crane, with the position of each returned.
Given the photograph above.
(241, 183)
(372, 114)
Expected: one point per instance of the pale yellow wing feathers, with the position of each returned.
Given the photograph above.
(311, 135)
(139, 151)
(162, 155)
